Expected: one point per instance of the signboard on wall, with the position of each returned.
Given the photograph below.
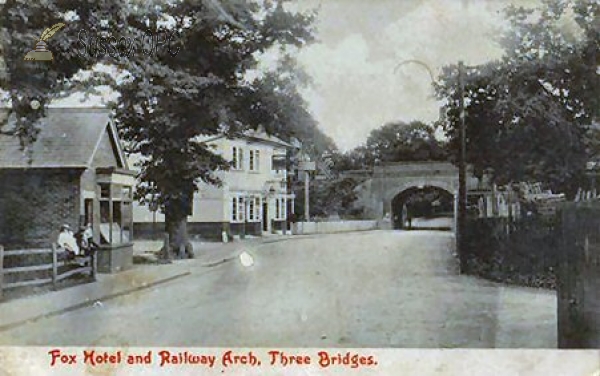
(307, 166)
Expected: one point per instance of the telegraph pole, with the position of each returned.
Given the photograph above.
(462, 173)
(461, 199)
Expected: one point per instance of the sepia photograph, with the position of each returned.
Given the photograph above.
(233, 185)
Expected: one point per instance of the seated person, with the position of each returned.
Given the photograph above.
(67, 242)
(85, 239)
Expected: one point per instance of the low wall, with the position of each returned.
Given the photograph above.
(304, 228)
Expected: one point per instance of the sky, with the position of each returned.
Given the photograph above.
(355, 86)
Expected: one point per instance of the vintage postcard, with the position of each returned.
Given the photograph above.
(267, 187)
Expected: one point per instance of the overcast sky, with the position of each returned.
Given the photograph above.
(361, 42)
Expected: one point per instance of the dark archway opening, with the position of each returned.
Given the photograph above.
(422, 208)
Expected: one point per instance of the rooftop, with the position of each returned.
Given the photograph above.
(68, 138)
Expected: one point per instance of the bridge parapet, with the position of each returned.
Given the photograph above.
(389, 180)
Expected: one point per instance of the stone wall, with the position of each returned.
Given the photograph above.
(304, 228)
(35, 203)
(198, 230)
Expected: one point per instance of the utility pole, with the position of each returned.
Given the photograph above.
(462, 178)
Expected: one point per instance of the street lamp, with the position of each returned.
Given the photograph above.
(306, 165)
(462, 156)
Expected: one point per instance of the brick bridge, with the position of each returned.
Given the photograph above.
(386, 188)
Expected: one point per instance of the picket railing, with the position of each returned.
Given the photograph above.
(25, 280)
(583, 195)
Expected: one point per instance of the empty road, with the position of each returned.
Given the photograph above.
(369, 289)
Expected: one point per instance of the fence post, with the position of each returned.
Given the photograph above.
(1, 271)
(54, 266)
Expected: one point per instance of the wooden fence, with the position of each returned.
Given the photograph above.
(579, 275)
(28, 276)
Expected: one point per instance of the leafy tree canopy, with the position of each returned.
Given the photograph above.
(394, 142)
(529, 114)
(169, 102)
(23, 82)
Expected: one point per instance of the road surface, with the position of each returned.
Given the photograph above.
(369, 289)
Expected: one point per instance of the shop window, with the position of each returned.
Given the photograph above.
(116, 216)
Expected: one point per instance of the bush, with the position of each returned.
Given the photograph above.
(523, 253)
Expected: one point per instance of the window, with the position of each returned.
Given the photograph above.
(116, 214)
(234, 160)
(278, 162)
(241, 211)
(258, 209)
(234, 209)
(251, 210)
(237, 159)
(240, 159)
(280, 208)
(104, 190)
(254, 161)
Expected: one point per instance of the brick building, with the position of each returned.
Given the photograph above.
(75, 173)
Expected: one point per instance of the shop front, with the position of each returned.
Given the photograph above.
(114, 222)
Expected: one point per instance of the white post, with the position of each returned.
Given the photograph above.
(455, 212)
(306, 195)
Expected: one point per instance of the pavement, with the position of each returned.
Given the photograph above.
(20, 311)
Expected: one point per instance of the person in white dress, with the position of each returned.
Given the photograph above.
(67, 241)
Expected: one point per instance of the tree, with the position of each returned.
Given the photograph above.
(529, 113)
(329, 197)
(168, 100)
(30, 86)
(401, 142)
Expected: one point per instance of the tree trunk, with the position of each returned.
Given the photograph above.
(179, 243)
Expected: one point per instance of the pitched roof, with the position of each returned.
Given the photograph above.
(68, 138)
(258, 136)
